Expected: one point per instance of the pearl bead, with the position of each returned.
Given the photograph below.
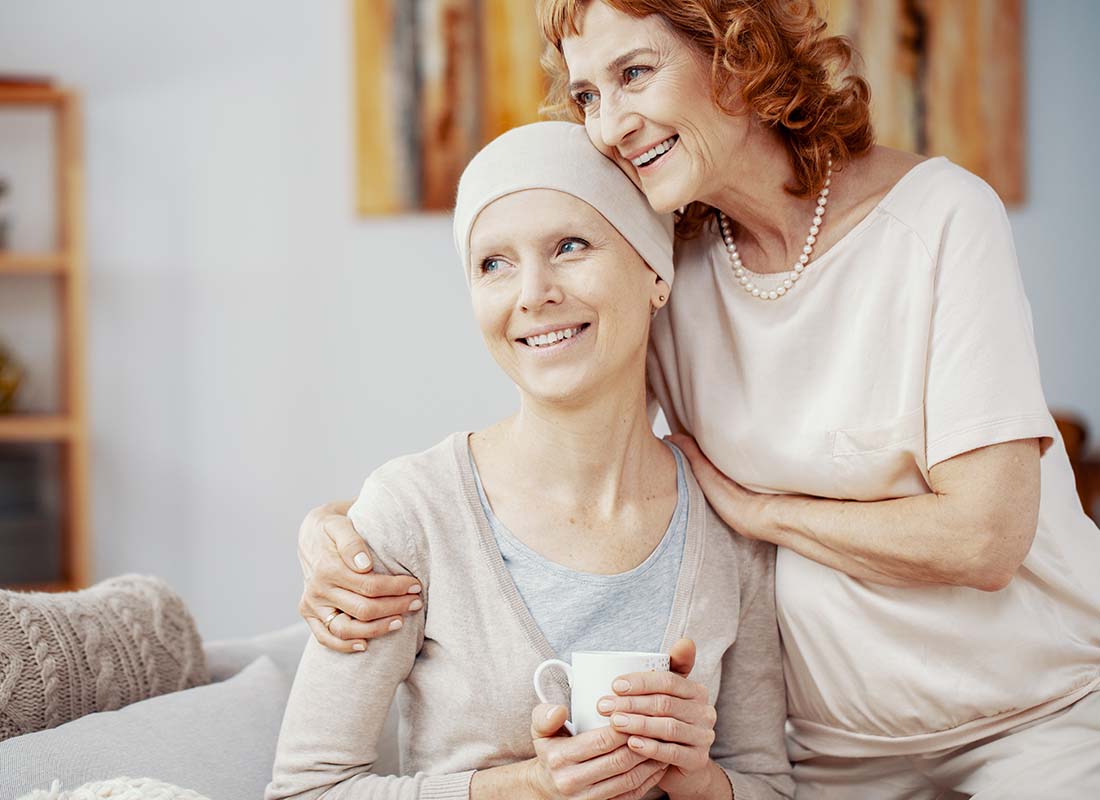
(803, 260)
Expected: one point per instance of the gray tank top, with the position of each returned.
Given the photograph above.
(584, 611)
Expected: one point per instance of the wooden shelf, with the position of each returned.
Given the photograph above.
(31, 95)
(33, 264)
(67, 263)
(35, 428)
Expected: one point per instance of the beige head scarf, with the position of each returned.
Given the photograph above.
(558, 155)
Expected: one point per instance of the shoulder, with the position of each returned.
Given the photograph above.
(938, 194)
(420, 477)
(400, 495)
(724, 549)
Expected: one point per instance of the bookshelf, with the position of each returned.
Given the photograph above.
(64, 268)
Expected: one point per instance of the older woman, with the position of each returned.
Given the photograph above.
(851, 348)
(566, 264)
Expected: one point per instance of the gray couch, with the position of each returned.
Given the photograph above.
(218, 739)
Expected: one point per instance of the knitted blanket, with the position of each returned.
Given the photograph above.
(74, 653)
(117, 789)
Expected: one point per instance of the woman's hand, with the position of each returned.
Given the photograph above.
(669, 719)
(738, 507)
(336, 566)
(595, 765)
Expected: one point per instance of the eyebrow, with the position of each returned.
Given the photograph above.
(615, 66)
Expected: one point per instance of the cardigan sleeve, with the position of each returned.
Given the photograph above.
(339, 701)
(749, 740)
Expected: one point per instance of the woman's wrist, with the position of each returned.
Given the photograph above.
(519, 781)
(712, 784)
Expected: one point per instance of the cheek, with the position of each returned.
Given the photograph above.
(595, 135)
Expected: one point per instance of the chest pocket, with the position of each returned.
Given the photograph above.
(882, 461)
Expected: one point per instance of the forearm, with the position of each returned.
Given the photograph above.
(909, 541)
(509, 782)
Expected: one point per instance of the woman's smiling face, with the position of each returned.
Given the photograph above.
(647, 103)
(561, 298)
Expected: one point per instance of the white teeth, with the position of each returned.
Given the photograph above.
(653, 152)
(544, 339)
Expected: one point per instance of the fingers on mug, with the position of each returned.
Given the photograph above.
(568, 670)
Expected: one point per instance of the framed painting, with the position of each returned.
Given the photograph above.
(437, 79)
(947, 79)
(434, 81)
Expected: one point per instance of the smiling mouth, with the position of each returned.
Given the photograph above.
(544, 340)
(656, 153)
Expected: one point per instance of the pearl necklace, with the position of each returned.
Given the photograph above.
(792, 277)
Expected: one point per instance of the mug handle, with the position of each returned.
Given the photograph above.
(568, 670)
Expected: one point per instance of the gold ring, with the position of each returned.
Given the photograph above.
(327, 621)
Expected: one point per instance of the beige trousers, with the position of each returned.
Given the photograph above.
(1054, 758)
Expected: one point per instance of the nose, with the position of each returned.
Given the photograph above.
(617, 121)
(538, 287)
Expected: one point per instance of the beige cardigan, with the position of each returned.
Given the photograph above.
(461, 668)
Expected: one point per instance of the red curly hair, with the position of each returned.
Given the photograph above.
(775, 52)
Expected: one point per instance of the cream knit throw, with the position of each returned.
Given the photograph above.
(117, 789)
(69, 654)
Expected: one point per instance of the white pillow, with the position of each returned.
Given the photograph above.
(218, 740)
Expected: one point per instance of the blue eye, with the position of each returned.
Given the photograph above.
(585, 98)
(630, 73)
(572, 246)
(491, 265)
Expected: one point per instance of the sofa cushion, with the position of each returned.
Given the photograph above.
(69, 654)
(218, 740)
(227, 657)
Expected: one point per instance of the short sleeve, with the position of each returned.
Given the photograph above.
(982, 386)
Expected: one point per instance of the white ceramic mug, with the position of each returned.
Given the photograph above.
(590, 677)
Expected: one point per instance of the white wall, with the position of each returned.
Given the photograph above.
(255, 349)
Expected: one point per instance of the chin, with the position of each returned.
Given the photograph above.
(666, 199)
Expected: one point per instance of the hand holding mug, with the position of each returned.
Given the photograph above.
(667, 718)
(594, 765)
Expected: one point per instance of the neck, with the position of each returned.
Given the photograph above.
(595, 458)
(770, 224)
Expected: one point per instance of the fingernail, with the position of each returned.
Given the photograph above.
(550, 712)
(621, 686)
(635, 742)
(416, 605)
(359, 646)
(396, 624)
(619, 719)
(605, 705)
(362, 561)
(414, 589)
